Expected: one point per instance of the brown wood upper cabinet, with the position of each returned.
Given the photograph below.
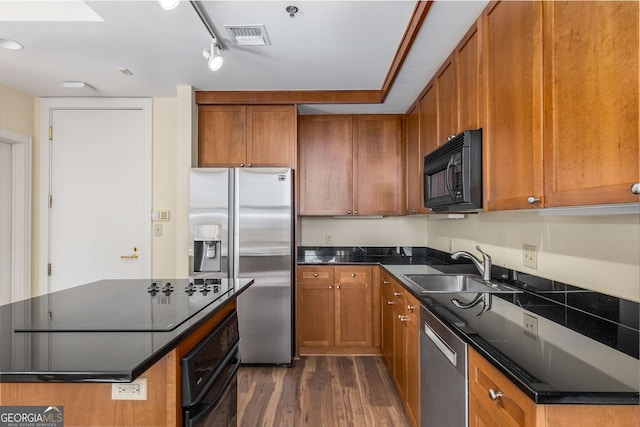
(245, 136)
(351, 165)
(512, 135)
(561, 103)
(414, 163)
(591, 151)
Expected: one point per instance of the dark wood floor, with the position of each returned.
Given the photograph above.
(320, 391)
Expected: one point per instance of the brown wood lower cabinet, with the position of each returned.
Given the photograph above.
(494, 401)
(401, 342)
(335, 310)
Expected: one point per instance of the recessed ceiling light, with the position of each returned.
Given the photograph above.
(77, 85)
(10, 44)
(169, 4)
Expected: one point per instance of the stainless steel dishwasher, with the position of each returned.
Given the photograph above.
(444, 378)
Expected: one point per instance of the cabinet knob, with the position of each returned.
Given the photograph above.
(451, 137)
(390, 302)
(410, 308)
(533, 199)
(415, 211)
(384, 282)
(495, 395)
(330, 287)
(315, 274)
(353, 274)
(635, 188)
(337, 286)
(403, 318)
(249, 165)
(349, 212)
(355, 212)
(398, 294)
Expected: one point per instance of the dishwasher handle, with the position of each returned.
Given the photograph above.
(444, 348)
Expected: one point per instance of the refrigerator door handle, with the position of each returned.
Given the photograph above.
(234, 190)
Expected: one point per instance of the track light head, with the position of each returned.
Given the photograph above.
(213, 56)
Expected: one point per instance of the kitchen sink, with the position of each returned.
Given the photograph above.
(456, 283)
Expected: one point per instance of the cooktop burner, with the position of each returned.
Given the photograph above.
(124, 305)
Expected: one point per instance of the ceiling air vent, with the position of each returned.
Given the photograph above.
(248, 35)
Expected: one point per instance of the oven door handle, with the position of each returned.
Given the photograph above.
(204, 410)
(203, 391)
(446, 177)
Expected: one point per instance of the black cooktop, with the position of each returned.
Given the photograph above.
(123, 305)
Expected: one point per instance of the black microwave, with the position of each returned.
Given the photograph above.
(453, 174)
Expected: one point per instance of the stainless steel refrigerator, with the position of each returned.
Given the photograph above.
(245, 218)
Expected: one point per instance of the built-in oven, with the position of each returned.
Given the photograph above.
(209, 371)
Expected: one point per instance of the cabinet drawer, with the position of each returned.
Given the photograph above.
(511, 407)
(316, 275)
(352, 275)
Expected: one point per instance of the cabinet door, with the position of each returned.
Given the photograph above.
(414, 163)
(378, 169)
(469, 80)
(326, 165)
(354, 320)
(510, 409)
(316, 307)
(512, 135)
(591, 102)
(271, 135)
(412, 352)
(428, 122)
(446, 96)
(221, 135)
(387, 303)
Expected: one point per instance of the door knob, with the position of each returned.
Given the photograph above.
(134, 255)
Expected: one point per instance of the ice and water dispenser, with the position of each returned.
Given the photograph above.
(206, 247)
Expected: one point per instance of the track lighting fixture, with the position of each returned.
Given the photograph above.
(213, 56)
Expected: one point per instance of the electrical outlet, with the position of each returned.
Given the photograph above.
(529, 256)
(157, 230)
(136, 390)
(531, 325)
(328, 239)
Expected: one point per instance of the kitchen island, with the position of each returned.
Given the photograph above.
(67, 348)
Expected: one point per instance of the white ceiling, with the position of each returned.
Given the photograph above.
(328, 45)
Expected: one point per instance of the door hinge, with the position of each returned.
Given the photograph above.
(50, 201)
(50, 133)
(48, 269)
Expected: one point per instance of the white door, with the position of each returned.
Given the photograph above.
(100, 186)
(5, 222)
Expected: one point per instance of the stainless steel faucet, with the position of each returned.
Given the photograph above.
(483, 266)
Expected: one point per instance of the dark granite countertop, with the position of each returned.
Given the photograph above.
(107, 331)
(586, 351)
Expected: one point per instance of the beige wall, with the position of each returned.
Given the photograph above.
(19, 112)
(597, 253)
(387, 231)
(16, 110)
(164, 186)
